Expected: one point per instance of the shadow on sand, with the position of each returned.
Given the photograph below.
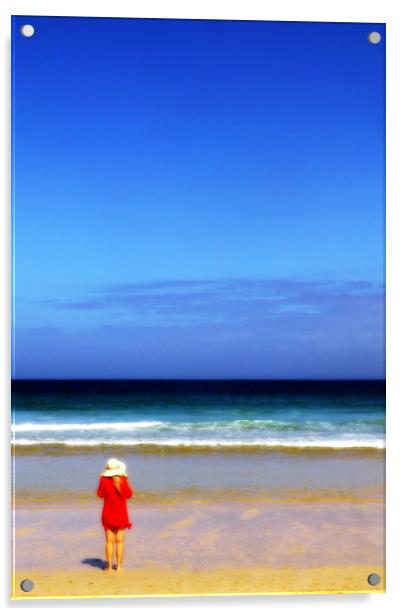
(99, 563)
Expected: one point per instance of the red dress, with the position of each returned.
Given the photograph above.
(114, 513)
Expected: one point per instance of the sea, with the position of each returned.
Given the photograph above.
(214, 415)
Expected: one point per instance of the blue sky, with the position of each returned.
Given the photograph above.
(198, 199)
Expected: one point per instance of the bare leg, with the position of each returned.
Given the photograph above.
(110, 539)
(119, 548)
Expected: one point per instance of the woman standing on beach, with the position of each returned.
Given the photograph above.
(115, 489)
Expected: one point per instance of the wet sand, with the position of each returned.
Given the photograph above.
(255, 546)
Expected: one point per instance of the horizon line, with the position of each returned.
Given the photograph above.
(129, 379)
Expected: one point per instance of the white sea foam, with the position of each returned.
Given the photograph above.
(238, 425)
(65, 427)
(239, 433)
(212, 443)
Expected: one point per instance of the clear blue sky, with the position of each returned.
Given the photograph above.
(198, 199)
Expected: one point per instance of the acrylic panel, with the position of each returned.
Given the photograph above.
(198, 369)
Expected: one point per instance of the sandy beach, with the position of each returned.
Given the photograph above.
(320, 543)
(157, 582)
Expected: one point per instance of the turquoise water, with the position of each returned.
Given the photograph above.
(76, 416)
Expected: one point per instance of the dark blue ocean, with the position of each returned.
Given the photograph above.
(216, 414)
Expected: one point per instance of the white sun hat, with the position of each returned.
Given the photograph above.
(114, 467)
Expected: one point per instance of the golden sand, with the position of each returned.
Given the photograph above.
(57, 449)
(165, 582)
(58, 499)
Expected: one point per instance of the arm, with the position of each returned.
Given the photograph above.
(100, 488)
(117, 483)
(123, 487)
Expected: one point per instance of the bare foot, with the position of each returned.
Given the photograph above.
(107, 569)
(119, 568)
